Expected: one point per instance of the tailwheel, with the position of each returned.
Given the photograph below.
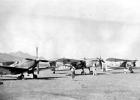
(131, 70)
(53, 70)
(34, 76)
(91, 72)
(20, 77)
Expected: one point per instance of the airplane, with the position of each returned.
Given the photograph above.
(22, 68)
(82, 63)
(116, 63)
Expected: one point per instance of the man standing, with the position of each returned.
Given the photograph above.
(94, 70)
(129, 66)
(104, 67)
(73, 72)
(100, 63)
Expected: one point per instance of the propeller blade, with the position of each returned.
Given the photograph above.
(43, 60)
(38, 68)
(37, 53)
(30, 59)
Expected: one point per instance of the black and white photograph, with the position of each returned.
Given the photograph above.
(69, 50)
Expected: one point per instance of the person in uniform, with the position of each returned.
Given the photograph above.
(73, 72)
(130, 67)
(94, 69)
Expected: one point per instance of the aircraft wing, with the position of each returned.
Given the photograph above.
(118, 60)
(114, 59)
(40, 69)
(114, 68)
(12, 70)
(67, 60)
(92, 59)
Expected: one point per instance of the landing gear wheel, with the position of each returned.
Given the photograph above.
(91, 72)
(20, 77)
(34, 76)
(83, 73)
(131, 70)
(53, 70)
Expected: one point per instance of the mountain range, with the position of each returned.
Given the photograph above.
(14, 56)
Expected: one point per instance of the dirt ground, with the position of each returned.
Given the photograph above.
(114, 85)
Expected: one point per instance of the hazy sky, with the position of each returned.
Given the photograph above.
(71, 28)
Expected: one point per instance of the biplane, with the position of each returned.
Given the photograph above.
(116, 63)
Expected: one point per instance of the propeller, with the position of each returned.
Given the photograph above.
(100, 59)
(37, 60)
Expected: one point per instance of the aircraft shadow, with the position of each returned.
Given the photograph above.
(7, 79)
(101, 74)
(124, 73)
(1, 83)
(39, 78)
(43, 78)
(78, 74)
(136, 67)
(116, 72)
(87, 74)
(136, 72)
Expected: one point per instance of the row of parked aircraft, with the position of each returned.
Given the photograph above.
(85, 63)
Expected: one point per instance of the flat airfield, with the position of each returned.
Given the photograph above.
(113, 85)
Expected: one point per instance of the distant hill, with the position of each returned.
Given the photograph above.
(21, 55)
(15, 56)
(7, 57)
(24, 55)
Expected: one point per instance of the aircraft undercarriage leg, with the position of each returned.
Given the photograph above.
(34, 76)
(90, 72)
(83, 72)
